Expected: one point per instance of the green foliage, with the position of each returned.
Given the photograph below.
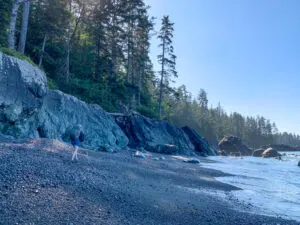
(147, 111)
(5, 11)
(51, 83)
(17, 54)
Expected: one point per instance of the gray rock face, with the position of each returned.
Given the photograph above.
(28, 109)
(61, 111)
(22, 88)
(154, 135)
(201, 145)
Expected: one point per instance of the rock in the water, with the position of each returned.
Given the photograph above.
(299, 163)
(154, 135)
(194, 161)
(201, 145)
(29, 110)
(234, 144)
(258, 153)
(270, 152)
(139, 154)
(222, 153)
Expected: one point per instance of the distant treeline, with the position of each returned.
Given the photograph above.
(99, 52)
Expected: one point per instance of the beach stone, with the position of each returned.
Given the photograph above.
(193, 161)
(258, 153)
(234, 144)
(270, 152)
(139, 154)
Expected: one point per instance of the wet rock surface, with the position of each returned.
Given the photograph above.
(39, 184)
(234, 144)
(270, 152)
(258, 152)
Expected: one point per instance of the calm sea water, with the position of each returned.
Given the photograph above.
(270, 185)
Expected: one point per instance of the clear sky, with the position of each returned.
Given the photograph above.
(244, 53)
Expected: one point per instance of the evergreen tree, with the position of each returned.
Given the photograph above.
(166, 59)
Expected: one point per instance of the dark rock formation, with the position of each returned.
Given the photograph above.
(154, 135)
(258, 152)
(29, 110)
(201, 145)
(299, 163)
(270, 152)
(234, 144)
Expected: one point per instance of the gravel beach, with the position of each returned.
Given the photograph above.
(39, 184)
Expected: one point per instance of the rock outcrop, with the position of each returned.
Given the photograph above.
(270, 152)
(61, 111)
(154, 135)
(258, 152)
(234, 144)
(29, 110)
(22, 90)
(201, 145)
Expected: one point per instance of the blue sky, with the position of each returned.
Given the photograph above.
(244, 53)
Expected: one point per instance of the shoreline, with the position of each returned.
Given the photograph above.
(45, 187)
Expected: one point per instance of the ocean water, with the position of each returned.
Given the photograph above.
(270, 185)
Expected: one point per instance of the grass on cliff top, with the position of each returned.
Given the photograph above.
(17, 54)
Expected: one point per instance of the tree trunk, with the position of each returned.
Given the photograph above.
(161, 79)
(43, 50)
(23, 35)
(12, 26)
(68, 62)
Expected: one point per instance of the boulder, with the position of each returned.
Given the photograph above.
(154, 135)
(270, 152)
(234, 144)
(61, 111)
(258, 152)
(22, 90)
(201, 145)
(29, 110)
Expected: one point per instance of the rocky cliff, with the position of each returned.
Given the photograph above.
(29, 109)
